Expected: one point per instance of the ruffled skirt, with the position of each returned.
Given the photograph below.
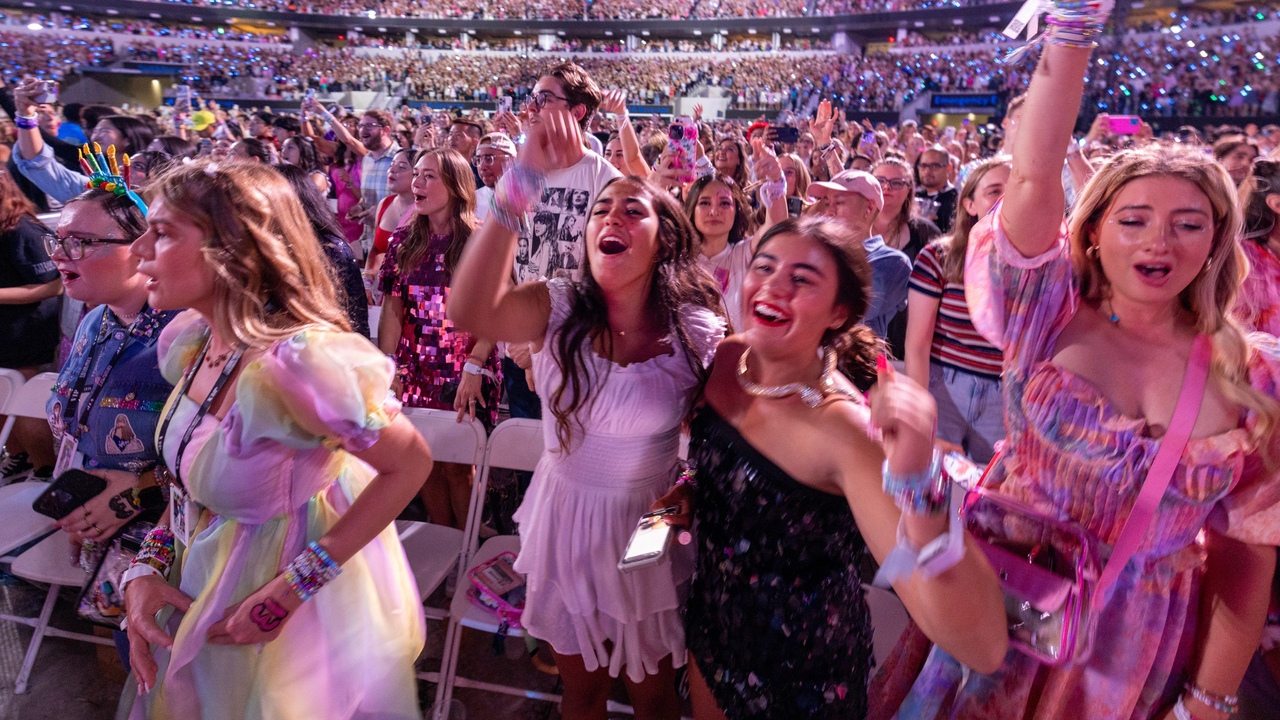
(575, 522)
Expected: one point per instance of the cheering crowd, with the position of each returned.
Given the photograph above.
(849, 322)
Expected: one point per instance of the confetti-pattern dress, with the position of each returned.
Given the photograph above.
(430, 350)
(1258, 304)
(776, 618)
(1073, 454)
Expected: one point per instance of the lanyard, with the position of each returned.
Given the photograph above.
(227, 370)
(73, 400)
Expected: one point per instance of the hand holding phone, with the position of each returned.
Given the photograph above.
(1125, 124)
(650, 541)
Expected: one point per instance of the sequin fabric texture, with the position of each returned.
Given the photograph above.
(430, 350)
(776, 622)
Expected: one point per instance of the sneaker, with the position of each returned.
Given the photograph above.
(13, 467)
(43, 474)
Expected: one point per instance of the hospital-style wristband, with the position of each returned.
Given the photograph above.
(938, 556)
(155, 557)
(310, 571)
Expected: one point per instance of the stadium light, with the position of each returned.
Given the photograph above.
(35, 26)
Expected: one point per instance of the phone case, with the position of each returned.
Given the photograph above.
(682, 138)
(661, 557)
(69, 491)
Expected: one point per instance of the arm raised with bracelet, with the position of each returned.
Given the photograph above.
(960, 607)
(482, 301)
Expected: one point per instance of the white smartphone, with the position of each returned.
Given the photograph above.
(649, 543)
(504, 104)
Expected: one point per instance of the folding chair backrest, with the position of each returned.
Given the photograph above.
(30, 399)
(516, 444)
(450, 441)
(10, 382)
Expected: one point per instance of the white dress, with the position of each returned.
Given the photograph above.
(582, 507)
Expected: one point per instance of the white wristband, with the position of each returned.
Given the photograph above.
(940, 555)
(135, 572)
(472, 369)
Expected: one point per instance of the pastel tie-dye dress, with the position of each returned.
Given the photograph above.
(1070, 453)
(276, 473)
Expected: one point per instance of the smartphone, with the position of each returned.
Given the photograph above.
(47, 92)
(784, 134)
(868, 138)
(69, 491)
(311, 93)
(949, 132)
(1125, 124)
(504, 104)
(649, 542)
(682, 138)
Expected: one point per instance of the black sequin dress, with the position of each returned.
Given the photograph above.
(776, 617)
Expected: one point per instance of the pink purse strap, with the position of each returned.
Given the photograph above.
(1162, 467)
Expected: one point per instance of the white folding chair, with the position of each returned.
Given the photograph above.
(435, 550)
(10, 381)
(47, 562)
(27, 401)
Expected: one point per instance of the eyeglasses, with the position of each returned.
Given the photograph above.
(491, 159)
(73, 247)
(539, 100)
(370, 126)
(895, 185)
(931, 166)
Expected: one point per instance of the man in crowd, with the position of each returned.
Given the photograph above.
(464, 136)
(855, 198)
(494, 155)
(938, 196)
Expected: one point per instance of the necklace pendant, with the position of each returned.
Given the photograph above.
(811, 397)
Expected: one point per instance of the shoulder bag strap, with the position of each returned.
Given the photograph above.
(1162, 467)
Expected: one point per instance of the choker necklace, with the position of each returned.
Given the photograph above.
(810, 395)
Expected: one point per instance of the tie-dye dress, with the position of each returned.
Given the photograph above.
(274, 474)
(1070, 453)
(1258, 304)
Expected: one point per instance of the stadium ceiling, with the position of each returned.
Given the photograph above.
(862, 26)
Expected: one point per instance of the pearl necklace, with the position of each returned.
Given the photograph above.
(810, 395)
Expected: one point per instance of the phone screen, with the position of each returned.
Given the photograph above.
(649, 540)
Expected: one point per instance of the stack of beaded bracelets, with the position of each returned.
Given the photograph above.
(1078, 23)
(924, 493)
(155, 557)
(517, 192)
(312, 570)
(1229, 704)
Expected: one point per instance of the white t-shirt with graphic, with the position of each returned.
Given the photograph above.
(557, 226)
(729, 267)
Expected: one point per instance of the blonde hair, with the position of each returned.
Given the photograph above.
(1209, 298)
(460, 184)
(802, 174)
(271, 278)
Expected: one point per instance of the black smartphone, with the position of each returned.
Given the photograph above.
(784, 134)
(69, 491)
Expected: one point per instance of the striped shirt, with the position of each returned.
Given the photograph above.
(956, 343)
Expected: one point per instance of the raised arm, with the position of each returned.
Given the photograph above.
(339, 130)
(482, 302)
(1033, 198)
(615, 101)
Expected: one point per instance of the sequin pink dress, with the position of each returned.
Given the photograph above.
(1070, 453)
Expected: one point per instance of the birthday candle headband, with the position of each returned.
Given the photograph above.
(104, 173)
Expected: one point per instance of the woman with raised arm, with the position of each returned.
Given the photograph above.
(619, 357)
(792, 491)
(1099, 322)
(288, 591)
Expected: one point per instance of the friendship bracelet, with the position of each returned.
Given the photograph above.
(1073, 23)
(26, 123)
(312, 570)
(157, 551)
(924, 493)
(938, 555)
(1229, 704)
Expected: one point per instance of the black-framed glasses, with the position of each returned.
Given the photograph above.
(539, 99)
(931, 166)
(73, 247)
(895, 184)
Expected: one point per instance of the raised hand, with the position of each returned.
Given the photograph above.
(552, 141)
(765, 161)
(905, 415)
(614, 101)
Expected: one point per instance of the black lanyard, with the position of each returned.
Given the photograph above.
(73, 400)
(227, 370)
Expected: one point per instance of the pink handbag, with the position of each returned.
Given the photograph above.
(1054, 583)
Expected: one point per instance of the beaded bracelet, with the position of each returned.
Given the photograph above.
(310, 571)
(1071, 23)
(26, 123)
(1229, 704)
(157, 550)
(924, 493)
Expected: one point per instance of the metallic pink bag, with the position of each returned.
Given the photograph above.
(1054, 583)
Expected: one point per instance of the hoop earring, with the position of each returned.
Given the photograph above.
(1091, 252)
